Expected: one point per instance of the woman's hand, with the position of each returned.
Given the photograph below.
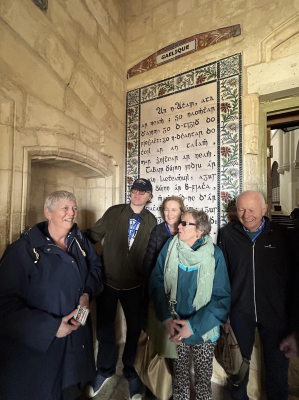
(169, 327)
(226, 326)
(65, 327)
(289, 346)
(183, 329)
(84, 300)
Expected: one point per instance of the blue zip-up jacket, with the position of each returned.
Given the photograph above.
(215, 313)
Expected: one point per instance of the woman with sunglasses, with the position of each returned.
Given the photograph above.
(190, 289)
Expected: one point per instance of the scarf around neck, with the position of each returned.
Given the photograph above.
(203, 258)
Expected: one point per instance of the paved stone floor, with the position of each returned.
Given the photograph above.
(117, 388)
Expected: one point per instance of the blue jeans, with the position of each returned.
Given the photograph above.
(276, 364)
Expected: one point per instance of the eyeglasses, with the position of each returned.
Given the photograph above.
(141, 192)
(184, 223)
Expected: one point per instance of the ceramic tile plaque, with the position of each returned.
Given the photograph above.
(184, 134)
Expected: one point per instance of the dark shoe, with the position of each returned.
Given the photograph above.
(96, 385)
(135, 388)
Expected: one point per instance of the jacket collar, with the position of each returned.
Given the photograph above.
(38, 234)
(142, 213)
(238, 226)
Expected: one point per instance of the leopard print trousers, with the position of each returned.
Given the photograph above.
(203, 369)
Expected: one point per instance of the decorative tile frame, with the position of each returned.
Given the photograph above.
(227, 72)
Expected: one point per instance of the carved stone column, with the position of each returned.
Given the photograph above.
(286, 151)
(280, 168)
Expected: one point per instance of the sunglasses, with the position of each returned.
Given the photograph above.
(184, 223)
(141, 192)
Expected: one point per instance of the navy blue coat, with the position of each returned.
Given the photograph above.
(34, 296)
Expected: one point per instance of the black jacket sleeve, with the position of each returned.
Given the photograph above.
(158, 238)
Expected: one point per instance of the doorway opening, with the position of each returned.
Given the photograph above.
(282, 172)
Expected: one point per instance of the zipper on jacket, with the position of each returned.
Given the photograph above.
(253, 270)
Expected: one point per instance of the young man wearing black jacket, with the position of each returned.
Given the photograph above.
(126, 229)
(257, 258)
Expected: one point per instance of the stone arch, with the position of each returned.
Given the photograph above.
(279, 37)
(76, 161)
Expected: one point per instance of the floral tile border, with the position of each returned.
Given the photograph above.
(228, 74)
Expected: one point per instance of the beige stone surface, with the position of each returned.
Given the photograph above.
(4, 232)
(116, 38)
(5, 192)
(90, 137)
(80, 13)
(93, 58)
(76, 109)
(113, 10)
(185, 6)
(56, 55)
(41, 115)
(6, 111)
(133, 9)
(66, 27)
(14, 13)
(117, 85)
(138, 27)
(250, 166)
(15, 58)
(163, 14)
(36, 32)
(6, 147)
(251, 135)
(268, 78)
(17, 185)
(14, 94)
(99, 13)
(106, 48)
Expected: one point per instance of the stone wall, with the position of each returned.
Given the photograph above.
(62, 96)
(269, 45)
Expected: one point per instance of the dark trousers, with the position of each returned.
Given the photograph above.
(131, 302)
(276, 364)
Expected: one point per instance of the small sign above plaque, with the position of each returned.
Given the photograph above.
(177, 51)
(184, 47)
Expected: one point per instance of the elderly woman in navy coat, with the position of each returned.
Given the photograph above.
(45, 275)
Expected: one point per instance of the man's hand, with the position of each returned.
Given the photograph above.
(289, 346)
(226, 325)
(84, 300)
(65, 327)
(183, 329)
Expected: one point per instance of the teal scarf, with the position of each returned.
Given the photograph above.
(203, 258)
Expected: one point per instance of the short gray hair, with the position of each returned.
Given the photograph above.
(201, 220)
(53, 198)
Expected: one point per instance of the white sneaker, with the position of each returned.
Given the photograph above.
(136, 397)
(96, 385)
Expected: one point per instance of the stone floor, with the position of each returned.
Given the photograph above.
(117, 388)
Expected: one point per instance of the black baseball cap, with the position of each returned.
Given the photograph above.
(143, 184)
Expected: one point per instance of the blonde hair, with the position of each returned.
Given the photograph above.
(173, 198)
